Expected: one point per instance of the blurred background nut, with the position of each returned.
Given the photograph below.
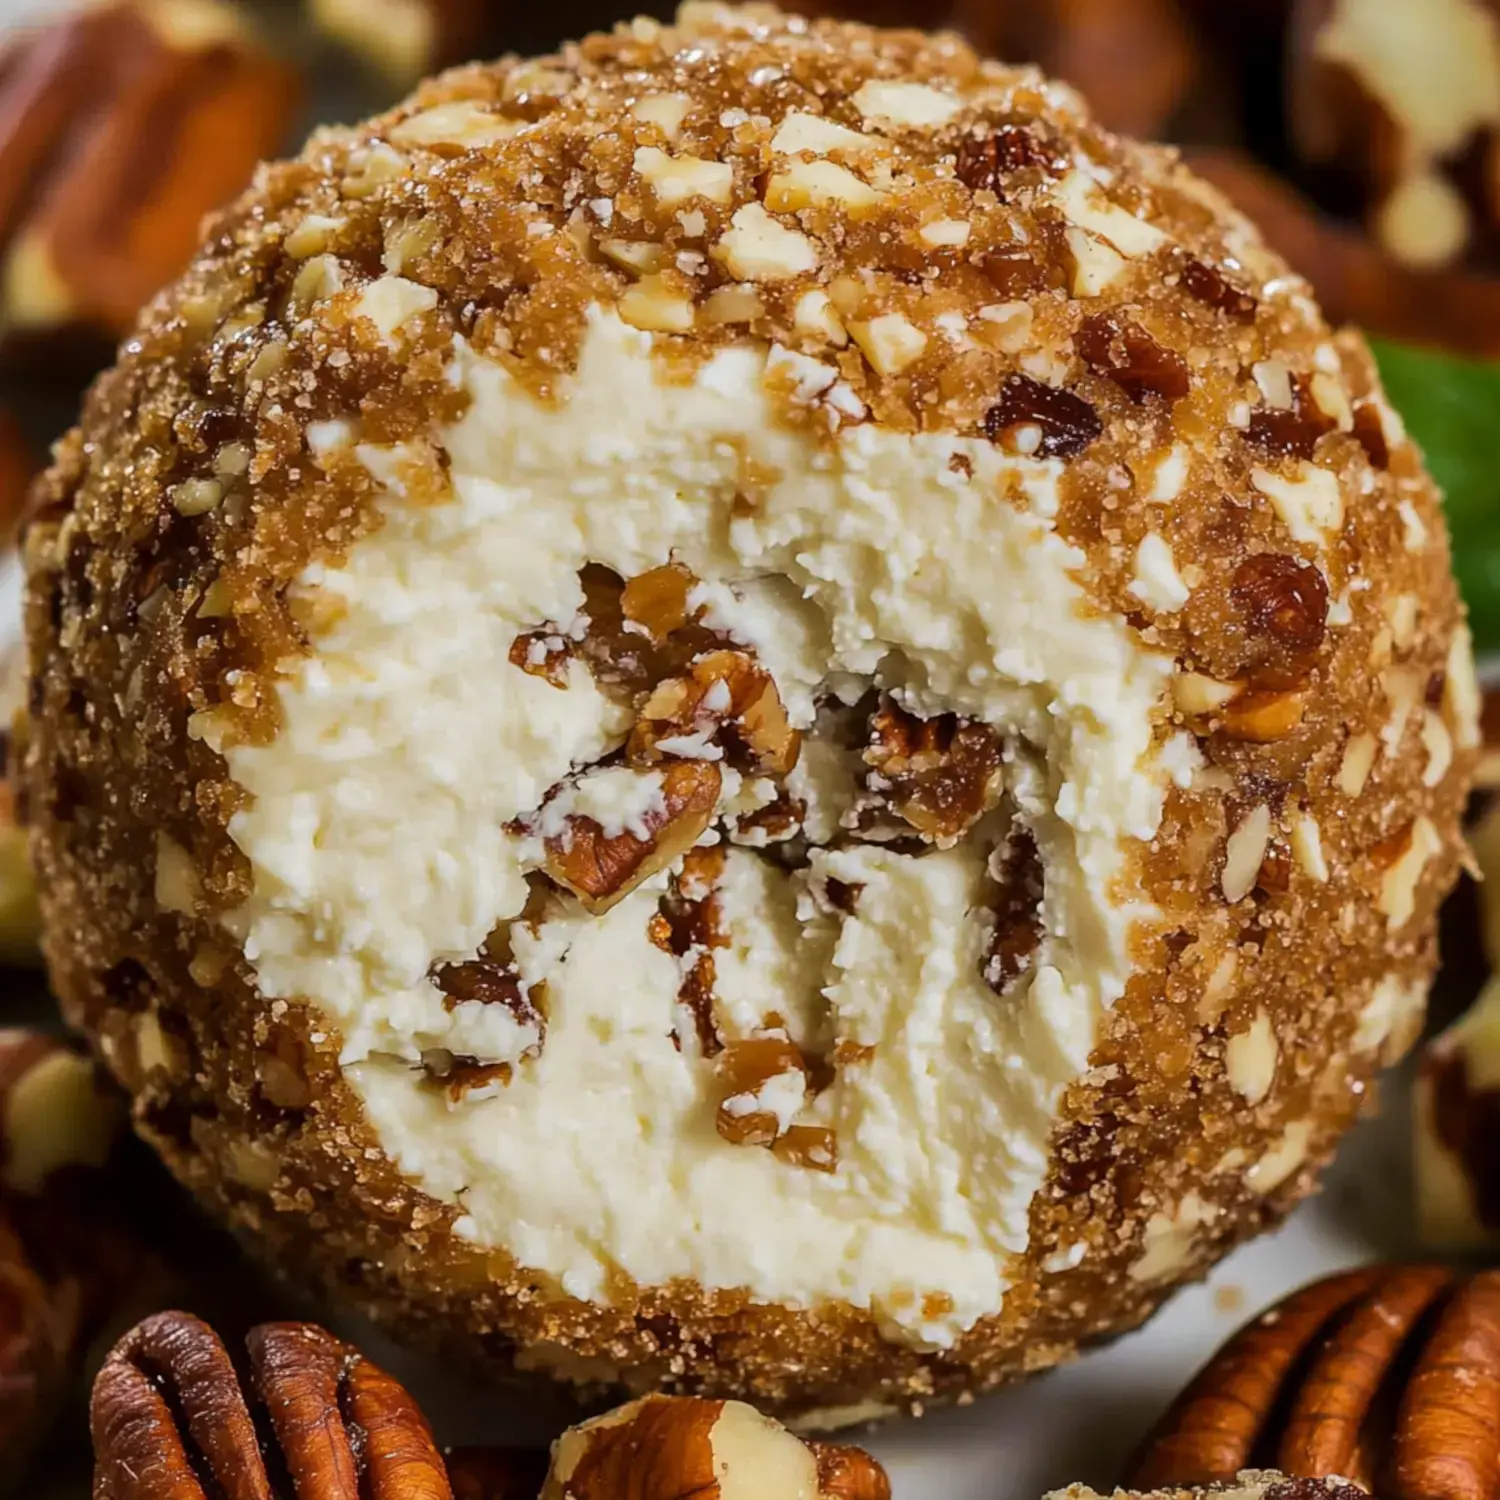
(405, 39)
(57, 1128)
(664, 1447)
(121, 126)
(1396, 107)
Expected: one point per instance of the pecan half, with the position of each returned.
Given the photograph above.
(602, 869)
(171, 1421)
(1388, 1376)
(939, 775)
(119, 131)
(1021, 879)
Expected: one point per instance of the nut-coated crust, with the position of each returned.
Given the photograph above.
(173, 520)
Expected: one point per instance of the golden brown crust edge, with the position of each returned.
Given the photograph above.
(1162, 1162)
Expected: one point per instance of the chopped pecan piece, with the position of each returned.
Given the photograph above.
(774, 823)
(630, 635)
(1264, 716)
(657, 601)
(119, 131)
(1214, 289)
(992, 160)
(1041, 421)
(602, 870)
(815, 1147)
(463, 1076)
(724, 693)
(1370, 431)
(1141, 367)
(686, 925)
(1013, 273)
(1017, 910)
(544, 654)
(747, 1067)
(939, 775)
(1294, 432)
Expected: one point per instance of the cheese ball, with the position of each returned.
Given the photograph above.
(743, 712)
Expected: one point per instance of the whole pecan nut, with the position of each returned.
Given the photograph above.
(171, 1421)
(1388, 1376)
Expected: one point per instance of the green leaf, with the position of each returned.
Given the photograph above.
(1452, 408)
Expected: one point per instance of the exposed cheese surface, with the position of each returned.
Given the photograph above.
(410, 739)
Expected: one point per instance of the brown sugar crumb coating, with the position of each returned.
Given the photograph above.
(942, 268)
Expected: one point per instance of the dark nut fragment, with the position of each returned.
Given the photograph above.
(1214, 289)
(621, 634)
(992, 160)
(1293, 432)
(686, 925)
(939, 775)
(486, 981)
(602, 870)
(726, 696)
(812, 1147)
(1016, 908)
(1284, 601)
(169, 1418)
(1118, 350)
(1370, 430)
(1041, 421)
(120, 128)
(1013, 274)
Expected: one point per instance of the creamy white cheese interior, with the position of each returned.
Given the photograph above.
(410, 739)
